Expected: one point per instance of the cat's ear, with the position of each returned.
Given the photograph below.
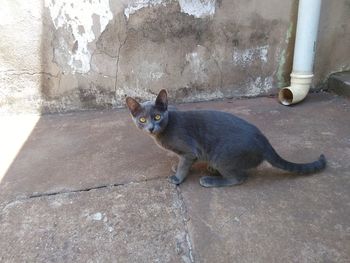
(162, 100)
(133, 106)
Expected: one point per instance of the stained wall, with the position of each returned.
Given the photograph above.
(62, 55)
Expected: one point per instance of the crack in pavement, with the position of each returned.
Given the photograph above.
(183, 209)
(46, 194)
(185, 219)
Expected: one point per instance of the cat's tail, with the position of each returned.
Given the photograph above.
(302, 168)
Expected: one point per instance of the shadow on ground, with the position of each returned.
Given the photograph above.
(90, 186)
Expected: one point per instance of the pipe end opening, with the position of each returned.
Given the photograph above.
(285, 96)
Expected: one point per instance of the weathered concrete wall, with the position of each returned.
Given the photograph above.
(20, 55)
(333, 48)
(59, 55)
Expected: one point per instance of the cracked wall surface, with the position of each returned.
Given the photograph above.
(67, 55)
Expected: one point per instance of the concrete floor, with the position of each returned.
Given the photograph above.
(90, 187)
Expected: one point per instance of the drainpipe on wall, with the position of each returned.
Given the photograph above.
(304, 53)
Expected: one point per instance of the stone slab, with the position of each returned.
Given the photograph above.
(80, 151)
(277, 216)
(137, 222)
(273, 217)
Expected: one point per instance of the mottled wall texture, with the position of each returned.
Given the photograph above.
(61, 55)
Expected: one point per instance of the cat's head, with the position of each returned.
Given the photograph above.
(151, 117)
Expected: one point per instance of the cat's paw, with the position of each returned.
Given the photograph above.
(174, 180)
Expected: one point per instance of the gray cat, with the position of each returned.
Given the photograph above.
(229, 144)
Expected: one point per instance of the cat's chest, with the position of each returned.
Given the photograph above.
(164, 144)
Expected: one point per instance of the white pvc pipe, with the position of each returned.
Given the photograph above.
(304, 52)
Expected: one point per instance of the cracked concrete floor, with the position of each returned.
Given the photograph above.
(90, 187)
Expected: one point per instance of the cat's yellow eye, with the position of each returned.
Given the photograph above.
(157, 117)
(142, 120)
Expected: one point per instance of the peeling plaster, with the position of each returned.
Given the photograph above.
(138, 4)
(198, 8)
(5, 16)
(203, 96)
(146, 72)
(195, 63)
(247, 56)
(78, 17)
(121, 92)
(260, 85)
(156, 75)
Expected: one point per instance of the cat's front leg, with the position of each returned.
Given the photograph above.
(182, 170)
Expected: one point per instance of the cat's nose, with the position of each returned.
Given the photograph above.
(151, 129)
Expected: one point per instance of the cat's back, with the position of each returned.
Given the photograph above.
(211, 119)
(209, 126)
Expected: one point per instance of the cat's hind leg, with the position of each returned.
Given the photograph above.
(228, 178)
